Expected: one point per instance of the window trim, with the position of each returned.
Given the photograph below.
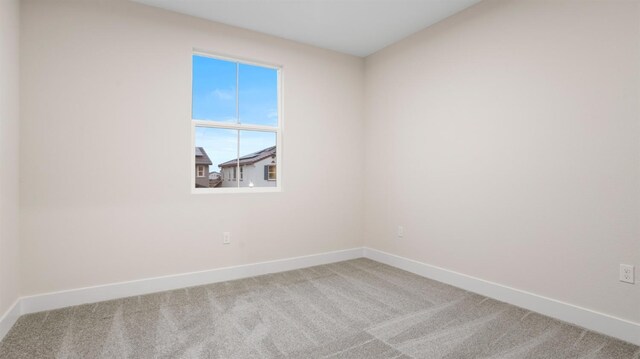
(198, 168)
(269, 172)
(278, 130)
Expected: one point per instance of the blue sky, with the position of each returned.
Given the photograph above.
(214, 98)
(214, 92)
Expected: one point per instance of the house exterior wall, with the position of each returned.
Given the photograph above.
(252, 173)
(202, 181)
(255, 173)
(227, 177)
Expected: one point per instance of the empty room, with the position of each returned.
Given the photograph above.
(320, 179)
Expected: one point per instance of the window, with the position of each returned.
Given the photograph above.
(236, 123)
(200, 171)
(270, 171)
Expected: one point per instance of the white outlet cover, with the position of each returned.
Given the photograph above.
(627, 273)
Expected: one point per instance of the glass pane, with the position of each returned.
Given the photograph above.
(214, 89)
(258, 95)
(216, 157)
(258, 159)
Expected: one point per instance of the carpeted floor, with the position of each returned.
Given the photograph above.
(352, 309)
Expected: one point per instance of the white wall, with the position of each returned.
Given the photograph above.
(9, 128)
(509, 136)
(504, 139)
(105, 161)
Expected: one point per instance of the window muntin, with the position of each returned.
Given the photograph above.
(230, 136)
(201, 170)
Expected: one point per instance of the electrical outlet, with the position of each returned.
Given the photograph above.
(400, 232)
(226, 238)
(627, 273)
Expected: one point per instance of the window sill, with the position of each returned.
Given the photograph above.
(235, 190)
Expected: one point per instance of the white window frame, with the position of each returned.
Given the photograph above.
(198, 168)
(278, 130)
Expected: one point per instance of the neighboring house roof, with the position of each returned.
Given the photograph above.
(251, 158)
(201, 157)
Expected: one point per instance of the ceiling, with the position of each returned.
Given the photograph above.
(356, 27)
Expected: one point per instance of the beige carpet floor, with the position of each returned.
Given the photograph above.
(353, 309)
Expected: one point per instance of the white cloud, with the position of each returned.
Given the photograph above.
(272, 114)
(224, 95)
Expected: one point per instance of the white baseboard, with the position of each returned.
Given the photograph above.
(598, 322)
(586, 318)
(9, 318)
(56, 300)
